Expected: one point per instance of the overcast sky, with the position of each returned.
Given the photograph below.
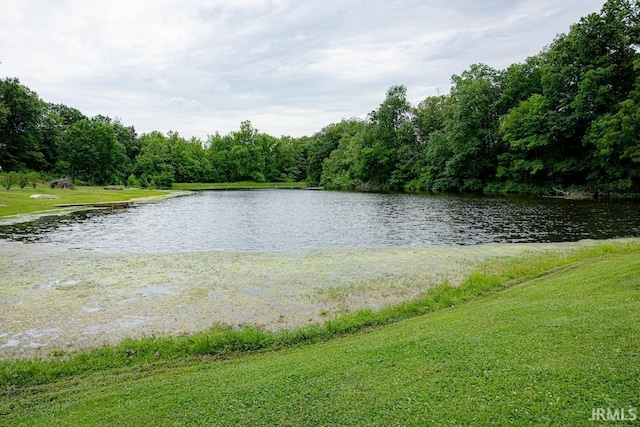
(290, 67)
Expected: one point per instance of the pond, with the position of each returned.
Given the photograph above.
(280, 220)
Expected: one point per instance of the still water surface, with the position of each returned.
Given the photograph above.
(274, 220)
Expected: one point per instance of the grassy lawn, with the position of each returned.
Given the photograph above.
(245, 185)
(540, 341)
(17, 201)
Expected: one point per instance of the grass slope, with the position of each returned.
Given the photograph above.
(17, 201)
(546, 351)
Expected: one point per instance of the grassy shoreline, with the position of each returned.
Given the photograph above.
(222, 341)
(17, 201)
(542, 340)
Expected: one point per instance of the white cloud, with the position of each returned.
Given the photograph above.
(290, 67)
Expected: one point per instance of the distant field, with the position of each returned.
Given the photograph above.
(245, 185)
(18, 201)
(549, 339)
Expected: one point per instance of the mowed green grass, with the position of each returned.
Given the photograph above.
(18, 201)
(545, 351)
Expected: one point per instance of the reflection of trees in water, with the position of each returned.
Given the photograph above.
(37, 230)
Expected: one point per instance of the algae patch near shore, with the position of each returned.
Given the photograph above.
(57, 300)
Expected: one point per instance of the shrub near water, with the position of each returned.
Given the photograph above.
(22, 179)
(8, 180)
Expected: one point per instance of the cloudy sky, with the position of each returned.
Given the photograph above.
(291, 67)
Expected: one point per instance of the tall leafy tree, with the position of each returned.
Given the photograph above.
(323, 143)
(520, 81)
(341, 170)
(471, 128)
(380, 151)
(434, 150)
(219, 155)
(526, 131)
(93, 151)
(21, 112)
(555, 136)
(586, 73)
(188, 159)
(154, 164)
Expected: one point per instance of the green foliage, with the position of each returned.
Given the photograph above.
(21, 112)
(518, 333)
(22, 179)
(92, 151)
(323, 143)
(434, 150)
(524, 128)
(563, 118)
(133, 181)
(617, 150)
(472, 128)
(248, 155)
(154, 159)
(384, 138)
(32, 179)
(8, 180)
(340, 171)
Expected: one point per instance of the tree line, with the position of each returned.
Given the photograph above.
(57, 140)
(566, 118)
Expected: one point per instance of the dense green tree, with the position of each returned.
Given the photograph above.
(58, 120)
(219, 155)
(240, 155)
(4, 113)
(21, 112)
(429, 122)
(283, 158)
(92, 151)
(384, 139)
(188, 159)
(128, 145)
(51, 138)
(429, 116)
(323, 143)
(586, 73)
(154, 164)
(248, 154)
(616, 160)
(525, 130)
(341, 170)
(66, 115)
(471, 128)
(520, 81)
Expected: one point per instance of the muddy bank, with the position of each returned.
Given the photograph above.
(56, 300)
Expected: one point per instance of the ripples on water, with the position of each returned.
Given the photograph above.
(273, 220)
